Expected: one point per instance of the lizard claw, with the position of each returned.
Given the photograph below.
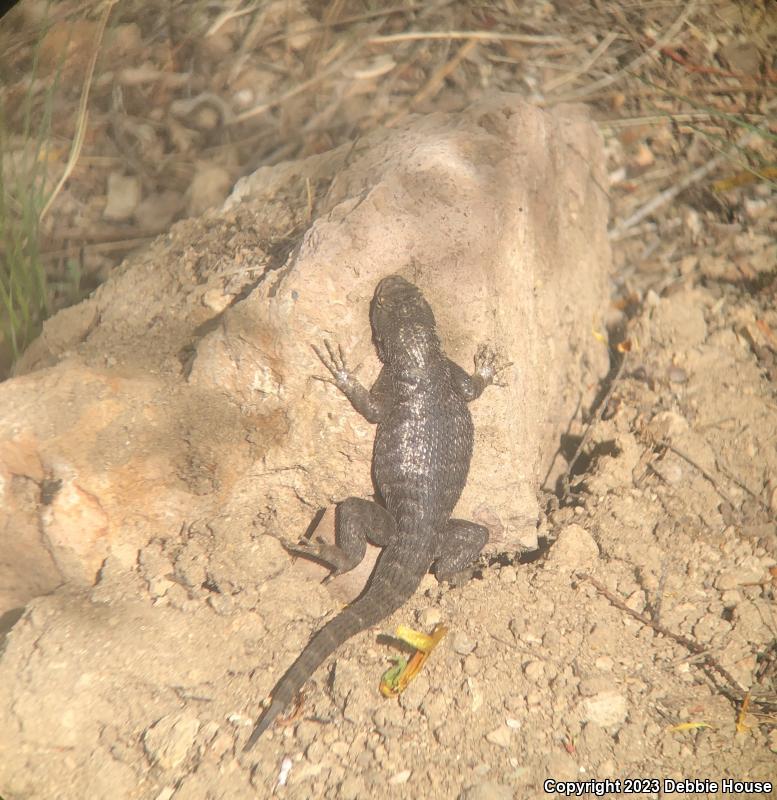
(489, 364)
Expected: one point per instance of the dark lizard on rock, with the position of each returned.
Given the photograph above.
(421, 457)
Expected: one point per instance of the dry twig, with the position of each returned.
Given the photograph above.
(733, 691)
(83, 111)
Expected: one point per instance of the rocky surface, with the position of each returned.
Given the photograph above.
(145, 684)
(182, 392)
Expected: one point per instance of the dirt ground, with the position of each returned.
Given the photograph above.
(669, 510)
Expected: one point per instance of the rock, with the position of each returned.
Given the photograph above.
(739, 576)
(471, 665)
(508, 575)
(123, 196)
(500, 736)
(167, 742)
(534, 671)
(429, 617)
(606, 709)
(156, 408)
(462, 643)
(574, 549)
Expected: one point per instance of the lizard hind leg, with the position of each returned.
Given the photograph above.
(357, 521)
(461, 544)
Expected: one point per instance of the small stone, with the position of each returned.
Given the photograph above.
(471, 665)
(508, 575)
(605, 709)
(339, 748)
(731, 598)
(167, 742)
(672, 473)
(667, 424)
(739, 576)
(462, 644)
(221, 603)
(534, 670)
(534, 698)
(574, 548)
(594, 684)
(604, 664)
(429, 617)
(400, 777)
(500, 736)
(216, 300)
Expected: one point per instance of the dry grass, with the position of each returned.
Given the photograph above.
(179, 85)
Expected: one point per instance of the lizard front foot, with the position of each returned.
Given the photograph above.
(489, 364)
(334, 360)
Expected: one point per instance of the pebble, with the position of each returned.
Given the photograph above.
(471, 665)
(429, 617)
(605, 709)
(738, 576)
(508, 575)
(400, 777)
(534, 698)
(672, 473)
(731, 598)
(168, 741)
(604, 664)
(574, 548)
(500, 736)
(462, 644)
(534, 670)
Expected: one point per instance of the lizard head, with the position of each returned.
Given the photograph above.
(403, 324)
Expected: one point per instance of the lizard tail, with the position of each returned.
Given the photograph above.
(393, 583)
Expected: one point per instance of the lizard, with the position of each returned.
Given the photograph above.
(421, 457)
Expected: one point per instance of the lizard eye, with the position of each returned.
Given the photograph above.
(379, 301)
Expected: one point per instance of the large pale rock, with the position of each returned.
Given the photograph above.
(181, 393)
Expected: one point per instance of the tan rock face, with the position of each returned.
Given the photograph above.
(153, 408)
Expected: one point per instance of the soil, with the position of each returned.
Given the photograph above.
(669, 512)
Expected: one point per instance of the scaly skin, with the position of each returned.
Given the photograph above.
(421, 457)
